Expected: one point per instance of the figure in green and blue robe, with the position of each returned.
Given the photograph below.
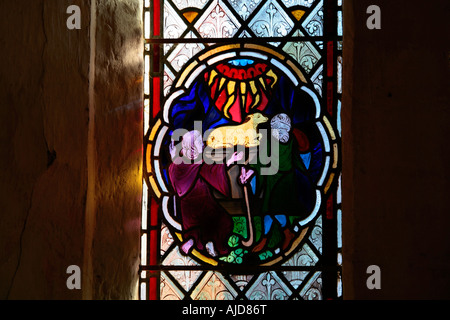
(280, 191)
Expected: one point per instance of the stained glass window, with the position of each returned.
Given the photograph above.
(242, 159)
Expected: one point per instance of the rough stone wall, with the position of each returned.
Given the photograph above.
(44, 72)
(45, 117)
(119, 145)
(395, 155)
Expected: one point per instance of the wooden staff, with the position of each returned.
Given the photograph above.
(248, 242)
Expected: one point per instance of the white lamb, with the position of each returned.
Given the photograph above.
(242, 134)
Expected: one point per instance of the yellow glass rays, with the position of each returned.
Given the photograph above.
(248, 91)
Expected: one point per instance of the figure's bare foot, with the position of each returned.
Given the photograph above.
(187, 245)
(210, 249)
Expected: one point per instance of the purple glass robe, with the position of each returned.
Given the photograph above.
(203, 219)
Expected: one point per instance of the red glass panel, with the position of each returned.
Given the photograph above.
(330, 59)
(154, 207)
(153, 247)
(330, 207)
(156, 17)
(156, 96)
(153, 288)
(330, 87)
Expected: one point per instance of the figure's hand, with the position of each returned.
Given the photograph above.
(245, 175)
(235, 157)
